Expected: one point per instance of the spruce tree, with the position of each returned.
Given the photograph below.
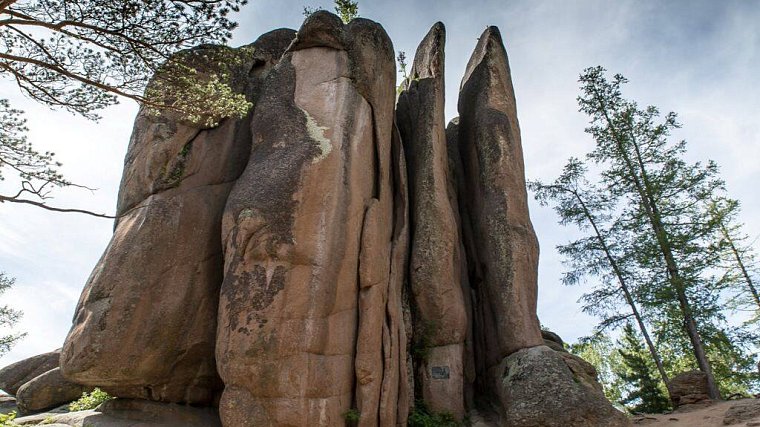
(646, 390)
(662, 196)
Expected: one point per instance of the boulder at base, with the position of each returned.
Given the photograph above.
(13, 376)
(130, 413)
(689, 388)
(48, 391)
(538, 389)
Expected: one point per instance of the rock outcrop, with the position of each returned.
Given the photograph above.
(502, 254)
(47, 391)
(537, 389)
(129, 413)
(306, 321)
(435, 277)
(145, 326)
(689, 388)
(328, 259)
(13, 376)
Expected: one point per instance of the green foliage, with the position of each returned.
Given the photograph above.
(347, 10)
(646, 392)
(308, 10)
(737, 256)
(401, 59)
(6, 420)
(651, 230)
(421, 416)
(352, 415)
(200, 86)
(84, 55)
(422, 344)
(89, 400)
(8, 317)
(599, 350)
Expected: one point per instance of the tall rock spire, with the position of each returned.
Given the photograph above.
(440, 313)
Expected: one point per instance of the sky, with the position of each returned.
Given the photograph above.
(697, 58)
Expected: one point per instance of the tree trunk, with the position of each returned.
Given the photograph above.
(674, 277)
(628, 297)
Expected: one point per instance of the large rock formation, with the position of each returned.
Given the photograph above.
(13, 376)
(331, 267)
(304, 315)
(145, 325)
(435, 276)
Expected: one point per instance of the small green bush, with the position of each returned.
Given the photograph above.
(89, 400)
(421, 416)
(6, 420)
(352, 415)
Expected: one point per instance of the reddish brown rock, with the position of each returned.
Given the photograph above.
(129, 413)
(435, 257)
(305, 323)
(146, 321)
(46, 391)
(689, 388)
(529, 384)
(502, 249)
(13, 376)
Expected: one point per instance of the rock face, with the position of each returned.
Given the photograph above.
(741, 412)
(334, 260)
(537, 389)
(12, 377)
(688, 388)
(435, 259)
(308, 317)
(130, 413)
(502, 253)
(146, 322)
(48, 391)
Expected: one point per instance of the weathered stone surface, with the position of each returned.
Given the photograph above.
(435, 257)
(457, 191)
(502, 253)
(688, 388)
(551, 336)
(130, 413)
(535, 385)
(553, 341)
(743, 411)
(538, 389)
(13, 376)
(145, 324)
(48, 391)
(308, 234)
(583, 372)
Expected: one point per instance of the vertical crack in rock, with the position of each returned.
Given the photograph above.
(435, 258)
(146, 322)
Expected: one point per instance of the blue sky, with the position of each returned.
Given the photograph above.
(698, 58)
